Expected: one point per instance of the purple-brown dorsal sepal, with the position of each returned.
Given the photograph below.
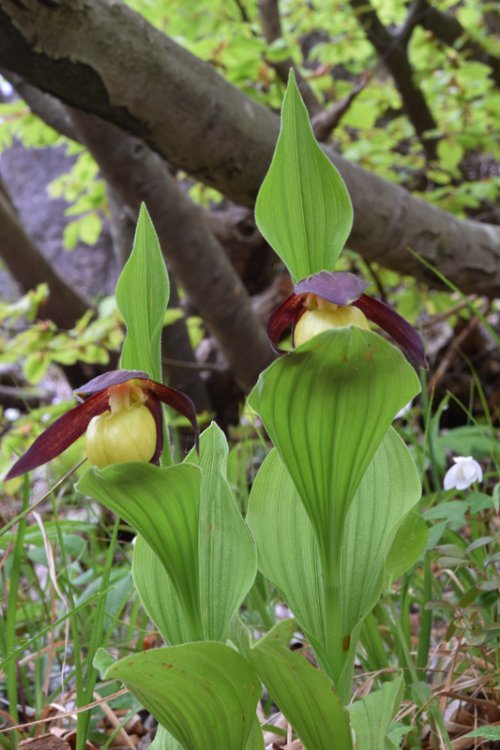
(340, 288)
(109, 379)
(284, 317)
(396, 326)
(176, 400)
(60, 435)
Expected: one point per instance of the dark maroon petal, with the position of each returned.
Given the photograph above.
(341, 288)
(397, 327)
(154, 407)
(60, 435)
(284, 317)
(176, 400)
(114, 377)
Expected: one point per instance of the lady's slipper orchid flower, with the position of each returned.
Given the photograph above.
(463, 473)
(334, 300)
(121, 414)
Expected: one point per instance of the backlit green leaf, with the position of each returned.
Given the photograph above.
(303, 208)
(327, 407)
(163, 505)
(205, 694)
(289, 556)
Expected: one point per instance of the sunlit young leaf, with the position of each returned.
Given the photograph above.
(389, 489)
(326, 407)
(164, 740)
(408, 546)
(227, 557)
(303, 208)
(163, 505)
(372, 715)
(287, 549)
(142, 294)
(205, 694)
(304, 693)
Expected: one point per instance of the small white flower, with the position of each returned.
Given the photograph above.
(11, 414)
(465, 472)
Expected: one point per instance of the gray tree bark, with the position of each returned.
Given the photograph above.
(100, 56)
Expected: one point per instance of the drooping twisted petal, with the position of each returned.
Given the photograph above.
(345, 289)
(176, 400)
(155, 392)
(396, 326)
(284, 317)
(94, 397)
(340, 288)
(60, 435)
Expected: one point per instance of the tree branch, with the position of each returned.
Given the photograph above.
(176, 339)
(270, 22)
(29, 267)
(325, 122)
(43, 105)
(392, 51)
(103, 57)
(449, 30)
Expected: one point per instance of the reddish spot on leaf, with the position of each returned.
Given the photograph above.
(346, 643)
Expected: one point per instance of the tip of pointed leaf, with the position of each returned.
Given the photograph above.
(303, 207)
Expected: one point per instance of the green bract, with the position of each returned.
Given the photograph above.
(303, 208)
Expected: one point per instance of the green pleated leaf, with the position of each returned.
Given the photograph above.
(372, 716)
(326, 407)
(142, 294)
(408, 546)
(205, 694)
(228, 563)
(303, 693)
(163, 505)
(303, 208)
(159, 597)
(288, 553)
